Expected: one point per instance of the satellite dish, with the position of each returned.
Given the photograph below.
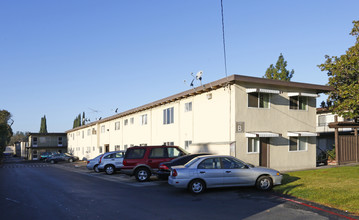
(199, 75)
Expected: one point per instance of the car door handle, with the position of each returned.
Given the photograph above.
(228, 171)
(202, 172)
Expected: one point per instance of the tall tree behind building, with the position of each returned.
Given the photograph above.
(43, 126)
(343, 73)
(279, 71)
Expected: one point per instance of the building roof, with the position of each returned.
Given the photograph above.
(47, 134)
(233, 79)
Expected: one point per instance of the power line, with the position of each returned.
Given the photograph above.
(224, 41)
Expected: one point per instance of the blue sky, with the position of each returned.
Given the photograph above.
(60, 58)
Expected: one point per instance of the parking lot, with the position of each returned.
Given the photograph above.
(35, 189)
(80, 167)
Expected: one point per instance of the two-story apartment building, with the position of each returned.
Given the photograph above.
(265, 122)
(45, 142)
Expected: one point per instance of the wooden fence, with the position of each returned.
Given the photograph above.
(348, 148)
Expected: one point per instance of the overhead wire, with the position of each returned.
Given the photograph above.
(224, 41)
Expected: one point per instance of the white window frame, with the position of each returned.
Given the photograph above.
(103, 129)
(187, 143)
(253, 142)
(117, 125)
(168, 116)
(259, 100)
(298, 103)
(125, 123)
(132, 120)
(144, 119)
(299, 140)
(188, 107)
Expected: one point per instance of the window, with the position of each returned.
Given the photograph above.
(168, 143)
(258, 100)
(135, 153)
(188, 107)
(125, 147)
(103, 129)
(126, 122)
(174, 152)
(253, 145)
(93, 148)
(88, 150)
(34, 142)
(158, 153)
(83, 134)
(100, 150)
(168, 116)
(132, 120)
(117, 147)
(144, 119)
(211, 163)
(117, 125)
(59, 141)
(88, 132)
(119, 155)
(298, 102)
(298, 143)
(186, 144)
(229, 163)
(109, 156)
(324, 120)
(93, 131)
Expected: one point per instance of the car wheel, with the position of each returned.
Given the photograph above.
(264, 183)
(52, 161)
(143, 174)
(96, 169)
(71, 160)
(196, 186)
(109, 169)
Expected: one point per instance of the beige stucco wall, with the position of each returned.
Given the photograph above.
(206, 125)
(278, 118)
(211, 126)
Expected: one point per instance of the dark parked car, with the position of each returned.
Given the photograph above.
(62, 157)
(164, 169)
(45, 155)
(143, 161)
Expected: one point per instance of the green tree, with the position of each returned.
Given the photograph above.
(43, 126)
(343, 73)
(279, 71)
(77, 121)
(19, 137)
(5, 130)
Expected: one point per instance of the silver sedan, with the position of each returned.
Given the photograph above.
(221, 171)
(93, 163)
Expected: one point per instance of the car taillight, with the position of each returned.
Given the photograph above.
(124, 162)
(164, 167)
(88, 162)
(174, 173)
(101, 158)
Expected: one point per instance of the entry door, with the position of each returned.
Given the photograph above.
(263, 155)
(107, 148)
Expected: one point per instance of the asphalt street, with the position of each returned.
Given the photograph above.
(37, 190)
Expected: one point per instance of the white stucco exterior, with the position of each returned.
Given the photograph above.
(211, 125)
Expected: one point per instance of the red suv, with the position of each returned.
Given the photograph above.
(144, 161)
